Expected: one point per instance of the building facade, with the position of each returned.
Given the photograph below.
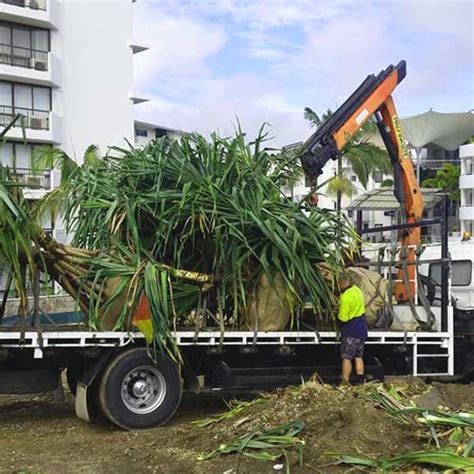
(68, 75)
(66, 72)
(466, 186)
(146, 132)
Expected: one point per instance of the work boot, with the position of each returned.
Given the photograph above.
(359, 380)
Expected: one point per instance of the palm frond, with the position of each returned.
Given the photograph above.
(184, 222)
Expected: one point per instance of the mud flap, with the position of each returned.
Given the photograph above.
(86, 405)
(81, 402)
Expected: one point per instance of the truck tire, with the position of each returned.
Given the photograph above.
(137, 393)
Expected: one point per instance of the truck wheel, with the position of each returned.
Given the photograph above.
(136, 392)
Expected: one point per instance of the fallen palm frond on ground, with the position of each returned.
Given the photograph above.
(195, 225)
(440, 423)
(261, 444)
(369, 425)
(235, 409)
(439, 458)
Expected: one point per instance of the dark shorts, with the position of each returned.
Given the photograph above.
(352, 347)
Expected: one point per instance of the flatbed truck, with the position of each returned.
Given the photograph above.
(115, 373)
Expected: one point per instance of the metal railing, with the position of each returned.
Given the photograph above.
(23, 57)
(30, 118)
(33, 4)
(37, 179)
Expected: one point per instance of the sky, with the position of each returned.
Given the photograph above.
(212, 63)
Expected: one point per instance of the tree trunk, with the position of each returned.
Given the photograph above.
(339, 173)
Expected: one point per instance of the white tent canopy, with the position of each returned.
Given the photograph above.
(447, 130)
(383, 199)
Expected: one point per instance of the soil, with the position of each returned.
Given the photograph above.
(41, 435)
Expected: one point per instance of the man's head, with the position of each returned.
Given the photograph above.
(344, 281)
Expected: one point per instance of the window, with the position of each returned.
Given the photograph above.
(460, 272)
(141, 132)
(353, 178)
(161, 132)
(24, 46)
(378, 176)
(18, 155)
(469, 165)
(25, 96)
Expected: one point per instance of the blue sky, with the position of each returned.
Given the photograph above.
(263, 61)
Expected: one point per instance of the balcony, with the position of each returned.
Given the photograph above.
(34, 125)
(31, 66)
(466, 213)
(33, 4)
(37, 179)
(44, 13)
(466, 181)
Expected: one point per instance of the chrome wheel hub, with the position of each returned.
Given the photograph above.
(143, 389)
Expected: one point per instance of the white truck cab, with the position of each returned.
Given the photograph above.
(462, 271)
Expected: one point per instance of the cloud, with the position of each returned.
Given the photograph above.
(180, 46)
(211, 61)
(217, 105)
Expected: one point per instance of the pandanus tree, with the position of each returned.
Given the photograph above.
(190, 224)
(365, 157)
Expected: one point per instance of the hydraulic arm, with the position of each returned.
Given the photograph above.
(374, 98)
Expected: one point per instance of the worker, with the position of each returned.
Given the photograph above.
(353, 325)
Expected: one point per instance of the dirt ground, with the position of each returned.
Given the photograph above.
(40, 435)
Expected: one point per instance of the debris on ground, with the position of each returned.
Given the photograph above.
(39, 434)
(376, 424)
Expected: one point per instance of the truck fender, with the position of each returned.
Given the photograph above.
(84, 402)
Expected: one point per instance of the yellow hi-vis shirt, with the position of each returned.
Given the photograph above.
(351, 304)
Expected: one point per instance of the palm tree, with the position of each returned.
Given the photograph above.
(364, 157)
(447, 179)
(194, 225)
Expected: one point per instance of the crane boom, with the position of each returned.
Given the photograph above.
(374, 98)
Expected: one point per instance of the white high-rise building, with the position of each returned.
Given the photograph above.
(67, 68)
(466, 186)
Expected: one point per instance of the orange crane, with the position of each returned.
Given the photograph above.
(374, 98)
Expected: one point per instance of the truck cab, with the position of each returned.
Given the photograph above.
(462, 272)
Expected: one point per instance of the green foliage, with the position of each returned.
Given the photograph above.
(341, 185)
(440, 458)
(235, 408)
(261, 444)
(364, 157)
(387, 183)
(447, 179)
(17, 232)
(194, 224)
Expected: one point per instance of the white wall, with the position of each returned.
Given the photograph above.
(466, 185)
(143, 141)
(97, 74)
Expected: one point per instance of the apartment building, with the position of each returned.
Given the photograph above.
(67, 69)
(466, 186)
(145, 132)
